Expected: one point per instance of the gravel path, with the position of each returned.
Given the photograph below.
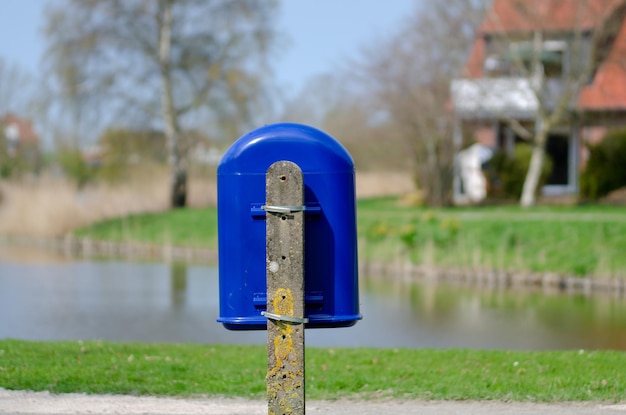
(44, 403)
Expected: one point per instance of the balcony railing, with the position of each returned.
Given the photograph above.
(502, 97)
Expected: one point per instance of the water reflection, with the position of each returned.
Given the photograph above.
(178, 276)
(130, 301)
(454, 316)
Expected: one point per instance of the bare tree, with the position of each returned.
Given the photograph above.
(16, 94)
(408, 76)
(17, 97)
(162, 63)
(334, 103)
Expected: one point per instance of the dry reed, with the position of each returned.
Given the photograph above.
(49, 206)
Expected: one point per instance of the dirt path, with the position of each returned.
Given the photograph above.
(43, 403)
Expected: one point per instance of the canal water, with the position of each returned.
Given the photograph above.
(51, 298)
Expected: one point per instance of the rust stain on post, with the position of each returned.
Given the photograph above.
(285, 289)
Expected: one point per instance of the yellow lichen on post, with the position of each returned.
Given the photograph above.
(283, 343)
(283, 302)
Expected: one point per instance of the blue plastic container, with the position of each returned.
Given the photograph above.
(330, 257)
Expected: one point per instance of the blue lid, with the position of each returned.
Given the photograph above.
(311, 149)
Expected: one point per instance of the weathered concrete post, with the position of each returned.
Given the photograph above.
(285, 289)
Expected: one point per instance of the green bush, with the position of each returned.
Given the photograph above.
(11, 166)
(75, 167)
(126, 150)
(605, 169)
(507, 173)
(17, 162)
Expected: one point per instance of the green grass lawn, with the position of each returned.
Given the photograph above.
(227, 370)
(179, 227)
(585, 240)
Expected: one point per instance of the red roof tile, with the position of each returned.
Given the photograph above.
(508, 16)
(608, 90)
(474, 67)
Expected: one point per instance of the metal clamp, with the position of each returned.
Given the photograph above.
(277, 317)
(283, 209)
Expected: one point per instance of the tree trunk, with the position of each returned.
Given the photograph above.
(533, 175)
(178, 168)
(434, 195)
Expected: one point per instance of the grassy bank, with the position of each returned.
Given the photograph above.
(584, 241)
(185, 370)
(181, 227)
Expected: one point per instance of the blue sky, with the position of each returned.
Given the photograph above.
(323, 33)
(326, 32)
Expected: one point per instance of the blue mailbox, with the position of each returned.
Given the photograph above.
(330, 245)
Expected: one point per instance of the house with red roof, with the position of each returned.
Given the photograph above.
(539, 60)
(18, 139)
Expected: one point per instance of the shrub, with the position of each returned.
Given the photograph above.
(126, 150)
(17, 162)
(11, 166)
(605, 170)
(507, 173)
(75, 167)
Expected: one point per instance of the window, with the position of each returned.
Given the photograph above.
(550, 56)
(516, 59)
